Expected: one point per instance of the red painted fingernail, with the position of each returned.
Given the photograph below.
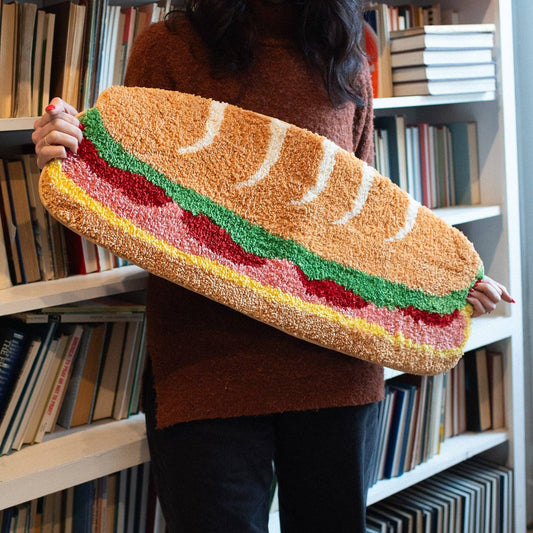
(471, 291)
(513, 301)
(50, 107)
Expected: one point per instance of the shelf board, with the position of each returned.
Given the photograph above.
(418, 101)
(453, 451)
(460, 214)
(487, 329)
(74, 288)
(17, 124)
(71, 459)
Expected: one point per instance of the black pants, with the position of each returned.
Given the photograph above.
(215, 476)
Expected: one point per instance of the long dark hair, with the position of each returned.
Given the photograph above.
(329, 35)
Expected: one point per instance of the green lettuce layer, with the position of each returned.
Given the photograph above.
(255, 239)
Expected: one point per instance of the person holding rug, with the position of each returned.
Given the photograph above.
(225, 396)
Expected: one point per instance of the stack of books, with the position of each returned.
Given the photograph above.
(69, 366)
(443, 59)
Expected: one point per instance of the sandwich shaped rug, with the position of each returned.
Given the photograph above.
(272, 220)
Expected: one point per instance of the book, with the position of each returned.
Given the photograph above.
(443, 72)
(38, 396)
(45, 80)
(5, 276)
(38, 60)
(69, 400)
(81, 253)
(47, 382)
(418, 436)
(83, 506)
(424, 453)
(459, 36)
(66, 63)
(133, 406)
(386, 422)
(467, 186)
(496, 388)
(12, 352)
(110, 46)
(108, 385)
(39, 217)
(435, 415)
(120, 516)
(376, 29)
(120, 50)
(425, 165)
(395, 441)
(444, 177)
(86, 390)
(9, 228)
(489, 520)
(395, 127)
(58, 245)
(127, 367)
(21, 214)
(26, 18)
(11, 400)
(131, 503)
(477, 391)
(68, 510)
(9, 432)
(407, 427)
(461, 422)
(440, 57)
(60, 384)
(438, 87)
(8, 38)
(412, 143)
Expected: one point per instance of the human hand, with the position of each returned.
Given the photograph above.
(486, 294)
(57, 131)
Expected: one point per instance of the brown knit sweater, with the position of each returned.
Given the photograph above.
(208, 360)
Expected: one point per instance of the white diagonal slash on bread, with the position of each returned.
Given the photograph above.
(278, 130)
(367, 178)
(326, 168)
(214, 121)
(410, 219)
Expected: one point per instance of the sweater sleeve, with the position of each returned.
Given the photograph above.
(147, 66)
(363, 127)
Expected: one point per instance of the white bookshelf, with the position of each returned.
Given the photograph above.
(69, 458)
(494, 227)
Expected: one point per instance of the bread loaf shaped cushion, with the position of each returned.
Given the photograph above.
(269, 219)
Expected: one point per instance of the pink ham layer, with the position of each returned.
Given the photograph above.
(165, 223)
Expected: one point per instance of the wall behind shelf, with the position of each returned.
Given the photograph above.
(522, 16)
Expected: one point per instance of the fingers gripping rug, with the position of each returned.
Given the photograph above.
(272, 220)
